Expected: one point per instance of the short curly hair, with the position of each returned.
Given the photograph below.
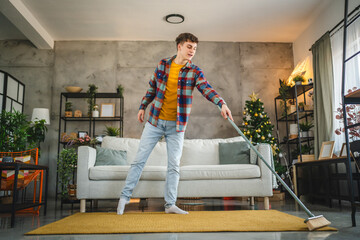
(183, 37)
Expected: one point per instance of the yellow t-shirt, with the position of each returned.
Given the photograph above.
(169, 108)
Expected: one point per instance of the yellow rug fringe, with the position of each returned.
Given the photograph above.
(197, 221)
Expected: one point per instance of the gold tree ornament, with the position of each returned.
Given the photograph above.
(253, 96)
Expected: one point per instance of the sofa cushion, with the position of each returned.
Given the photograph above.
(106, 156)
(213, 172)
(130, 145)
(203, 151)
(234, 153)
(154, 173)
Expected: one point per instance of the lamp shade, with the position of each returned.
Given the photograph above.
(40, 114)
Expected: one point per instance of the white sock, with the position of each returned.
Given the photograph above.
(175, 209)
(121, 206)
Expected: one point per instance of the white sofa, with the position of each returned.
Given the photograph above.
(201, 175)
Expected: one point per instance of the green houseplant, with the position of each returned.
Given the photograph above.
(301, 106)
(305, 128)
(298, 80)
(36, 133)
(68, 109)
(284, 95)
(120, 90)
(66, 164)
(91, 97)
(112, 131)
(13, 131)
(18, 134)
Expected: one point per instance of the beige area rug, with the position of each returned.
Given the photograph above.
(155, 222)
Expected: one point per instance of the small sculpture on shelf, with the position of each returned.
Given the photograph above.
(77, 113)
(68, 109)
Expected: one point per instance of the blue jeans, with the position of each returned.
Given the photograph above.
(174, 145)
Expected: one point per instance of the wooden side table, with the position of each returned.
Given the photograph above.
(16, 206)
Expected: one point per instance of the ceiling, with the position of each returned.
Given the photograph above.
(46, 21)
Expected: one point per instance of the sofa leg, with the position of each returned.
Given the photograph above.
(82, 205)
(252, 201)
(266, 203)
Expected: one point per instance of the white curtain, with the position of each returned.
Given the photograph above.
(352, 74)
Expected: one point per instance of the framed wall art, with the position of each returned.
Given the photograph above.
(107, 110)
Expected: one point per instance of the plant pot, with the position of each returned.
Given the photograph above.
(95, 113)
(72, 190)
(68, 113)
(310, 133)
(303, 134)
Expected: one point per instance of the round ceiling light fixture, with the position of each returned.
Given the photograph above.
(174, 18)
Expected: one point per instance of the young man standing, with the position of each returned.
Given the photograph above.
(171, 88)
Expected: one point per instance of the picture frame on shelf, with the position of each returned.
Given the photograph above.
(343, 152)
(107, 110)
(327, 150)
(82, 134)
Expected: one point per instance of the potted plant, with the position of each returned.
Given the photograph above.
(299, 80)
(284, 94)
(305, 128)
(66, 164)
(13, 131)
(112, 131)
(17, 134)
(91, 92)
(301, 106)
(68, 109)
(120, 90)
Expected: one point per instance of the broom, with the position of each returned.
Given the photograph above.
(313, 222)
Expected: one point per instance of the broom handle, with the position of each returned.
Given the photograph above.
(271, 169)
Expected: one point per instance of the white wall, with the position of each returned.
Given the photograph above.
(330, 15)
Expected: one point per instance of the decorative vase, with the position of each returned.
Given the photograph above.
(95, 113)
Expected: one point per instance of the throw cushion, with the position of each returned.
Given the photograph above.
(106, 156)
(234, 153)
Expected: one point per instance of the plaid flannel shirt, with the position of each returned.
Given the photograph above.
(190, 76)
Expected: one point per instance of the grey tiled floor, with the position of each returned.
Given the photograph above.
(339, 216)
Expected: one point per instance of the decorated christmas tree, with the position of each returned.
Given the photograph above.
(257, 127)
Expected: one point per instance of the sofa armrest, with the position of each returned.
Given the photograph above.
(86, 160)
(266, 151)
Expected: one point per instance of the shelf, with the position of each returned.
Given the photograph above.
(66, 124)
(352, 98)
(117, 118)
(85, 95)
(301, 89)
(296, 140)
(292, 116)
